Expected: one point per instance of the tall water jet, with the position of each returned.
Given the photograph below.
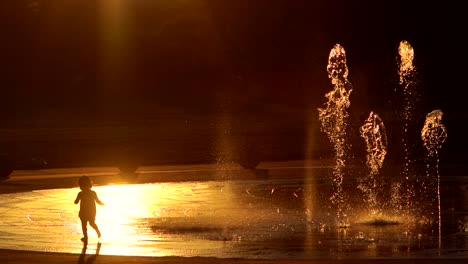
(434, 134)
(333, 120)
(375, 136)
(407, 72)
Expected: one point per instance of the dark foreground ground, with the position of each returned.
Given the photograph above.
(11, 256)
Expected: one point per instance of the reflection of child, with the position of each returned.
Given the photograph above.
(88, 200)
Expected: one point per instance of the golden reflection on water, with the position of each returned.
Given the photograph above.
(166, 219)
(117, 219)
(129, 216)
(252, 218)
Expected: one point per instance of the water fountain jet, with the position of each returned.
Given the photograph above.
(434, 134)
(407, 71)
(333, 119)
(374, 134)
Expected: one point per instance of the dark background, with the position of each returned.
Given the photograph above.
(128, 83)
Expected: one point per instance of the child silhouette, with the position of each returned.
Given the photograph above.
(88, 200)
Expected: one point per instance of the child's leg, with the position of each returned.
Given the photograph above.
(93, 225)
(84, 227)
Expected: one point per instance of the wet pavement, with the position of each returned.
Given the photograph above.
(283, 212)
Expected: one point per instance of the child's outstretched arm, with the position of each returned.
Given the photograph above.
(97, 200)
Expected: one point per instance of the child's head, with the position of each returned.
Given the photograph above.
(85, 183)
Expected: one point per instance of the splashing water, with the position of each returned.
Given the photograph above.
(434, 134)
(333, 119)
(373, 132)
(406, 52)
